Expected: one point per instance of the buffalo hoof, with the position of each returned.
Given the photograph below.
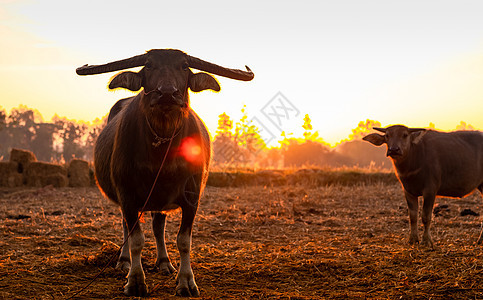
(136, 290)
(428, 244)
(413, 240)
(165, 268)
(123, 265)
(187, 292)
(187, 287)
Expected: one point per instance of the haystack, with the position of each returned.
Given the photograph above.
(23, 158)
(271, 178)
(9, 176)
(78, 173)
(40, 174)
(220, 179)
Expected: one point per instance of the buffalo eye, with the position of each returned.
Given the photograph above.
(148, 65)
(185, 67)
(405, 135)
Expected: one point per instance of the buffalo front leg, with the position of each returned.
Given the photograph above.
(186, 282)
(136, 285)
(428, 204)
(162, 260)
(124, 262)
(413, 206)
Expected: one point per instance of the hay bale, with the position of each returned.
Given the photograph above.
(40, 174)
(271, 178)
(220, 179)
(78, 173)
(9, 176)
(23, 158)
(303, 177)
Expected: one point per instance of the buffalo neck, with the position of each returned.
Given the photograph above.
(410, 161)
(163, 123)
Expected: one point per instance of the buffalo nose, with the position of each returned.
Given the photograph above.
(393, 151)
(167, 90)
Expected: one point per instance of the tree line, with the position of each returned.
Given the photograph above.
(239, 144)
(60, 140)
(235, 144)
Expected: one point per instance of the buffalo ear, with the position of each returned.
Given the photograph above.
(375, 139)
(128, 80)
(202, 81)
(417, 135)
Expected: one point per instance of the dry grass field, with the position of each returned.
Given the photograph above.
(290, 241)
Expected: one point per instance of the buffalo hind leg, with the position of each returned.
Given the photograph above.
(428, 204)
(162, 259)
(136, 285)
(413, 206)
(124, 262)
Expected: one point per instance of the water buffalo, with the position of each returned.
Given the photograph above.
(155, 126)
(430, 163)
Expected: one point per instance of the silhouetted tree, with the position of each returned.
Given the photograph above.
(307, 127)
(225, 149)
(240, 147)
(247, 135)
(463, 126)
(42, 143)
(225, 126)
(363, 128)
(71, 134)
(92, 134)
(21, 127)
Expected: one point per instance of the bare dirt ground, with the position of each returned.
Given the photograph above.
(288, 242)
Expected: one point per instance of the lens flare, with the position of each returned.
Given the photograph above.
(190, 149)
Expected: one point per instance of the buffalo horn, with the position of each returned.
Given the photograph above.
(411, 130)
(380, 129)
(135, 61)
(202, 65)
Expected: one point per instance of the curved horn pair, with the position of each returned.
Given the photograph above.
(193, 62)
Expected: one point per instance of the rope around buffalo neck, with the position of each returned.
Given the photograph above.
(161, 140)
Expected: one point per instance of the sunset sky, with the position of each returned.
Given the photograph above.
(341, 62)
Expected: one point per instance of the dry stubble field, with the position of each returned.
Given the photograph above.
(287, 242)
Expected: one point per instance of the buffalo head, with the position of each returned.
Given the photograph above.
(165, 76)
(398, 139)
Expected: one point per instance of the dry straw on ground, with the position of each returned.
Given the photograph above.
(251, 242)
